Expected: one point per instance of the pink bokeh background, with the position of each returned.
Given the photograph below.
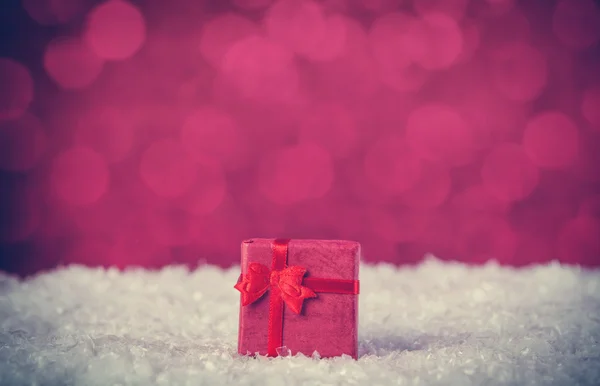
(141, 133)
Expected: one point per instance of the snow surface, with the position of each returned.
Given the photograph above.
(437, 323)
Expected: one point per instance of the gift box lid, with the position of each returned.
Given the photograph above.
(335, 259)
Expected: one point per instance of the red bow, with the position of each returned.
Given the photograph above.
(259, 278)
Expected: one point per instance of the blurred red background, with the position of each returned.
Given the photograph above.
(151, 132)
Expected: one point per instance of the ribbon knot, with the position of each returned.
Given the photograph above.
(254, 284)
(275, 277)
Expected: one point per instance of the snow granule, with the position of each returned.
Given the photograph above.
(437, 323)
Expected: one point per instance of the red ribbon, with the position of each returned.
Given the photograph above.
(286, 285)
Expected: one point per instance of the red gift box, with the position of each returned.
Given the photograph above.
(299, 296)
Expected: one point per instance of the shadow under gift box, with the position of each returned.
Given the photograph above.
(327, 323)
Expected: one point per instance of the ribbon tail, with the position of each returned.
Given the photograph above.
(247, 296)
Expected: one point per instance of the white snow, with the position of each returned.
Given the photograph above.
(434, 324)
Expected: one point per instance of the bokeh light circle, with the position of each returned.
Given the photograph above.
(220, 33)
(438, 133)
(430, 190)
(551, 140)
(166, 168)
(108, 131)
(390, 40)
(508, 173)
(441, 39)
(79, 176)
(99, 217)
(210, 131)
(16, 92)
(261, 70)
(303, 27)
(52, 12)
(576, 23)
(332, 126)
(492, 116)
(352, 77)
(22, 143)
(115, 30)
(293, 174)
(208, 191)
(519, 71)
(391, 166)
(472, 40)
(395, 43)
(71, 64)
